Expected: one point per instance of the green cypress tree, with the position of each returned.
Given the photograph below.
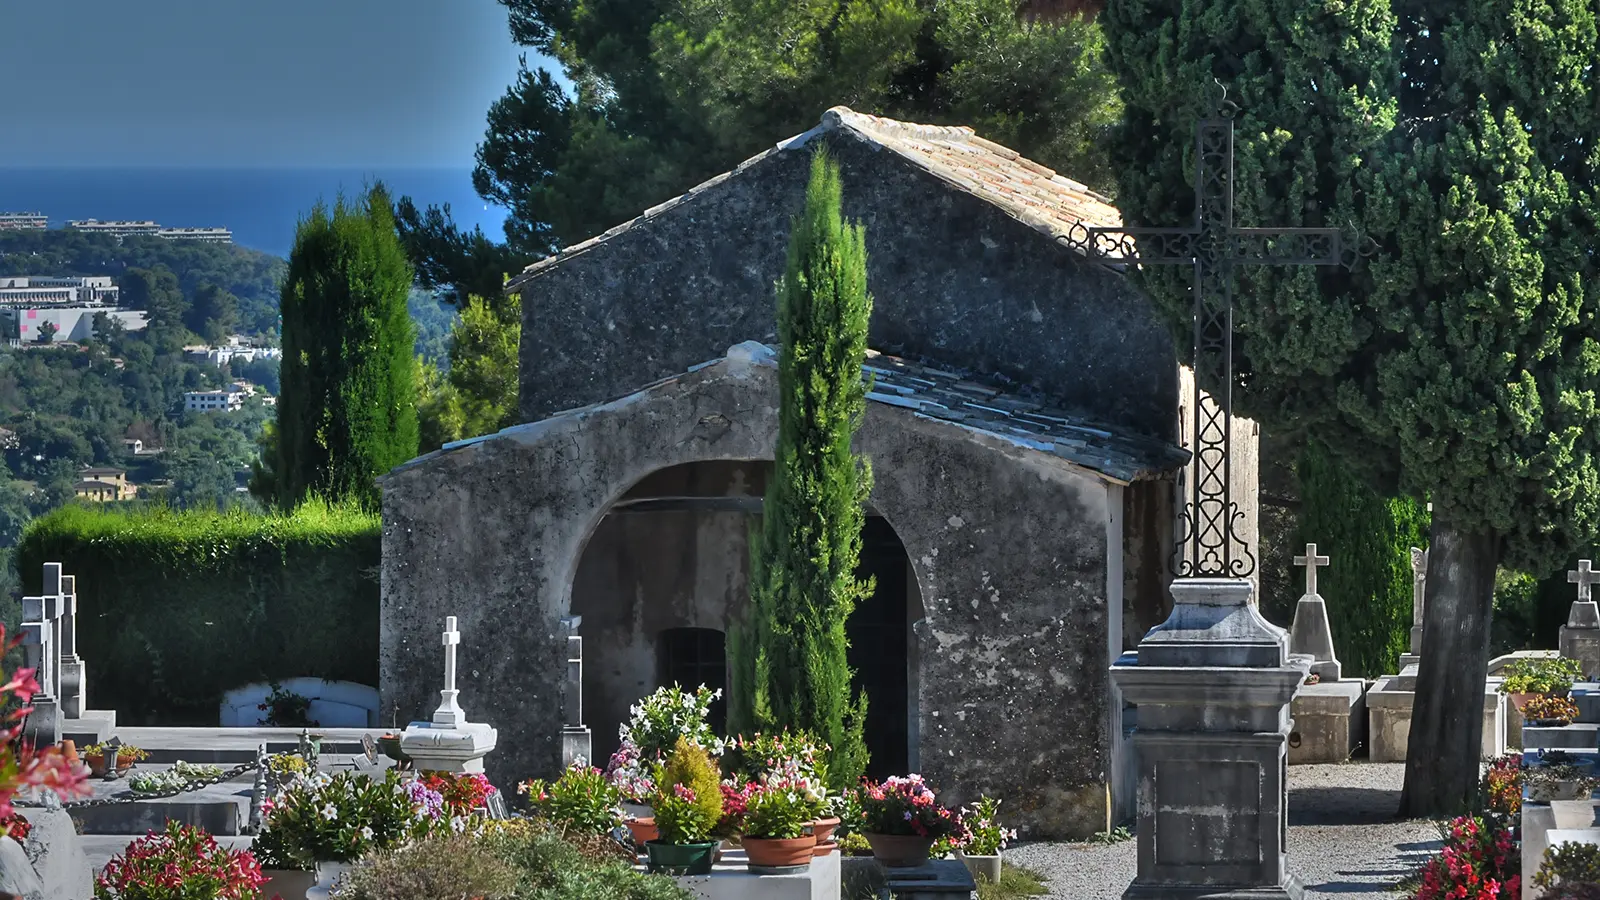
(347, 413)
(1369, 539)
(790, 666)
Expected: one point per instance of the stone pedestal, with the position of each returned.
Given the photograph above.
(1212, 685)
(731, 880)
(1580, 637)
(1389, 717)
(447, 748)
(1330, 721)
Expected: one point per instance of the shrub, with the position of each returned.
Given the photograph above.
(438, 866)
(341, 817)
(1583, 890)
(688, 797)
(1502, 785)
(551, 868)
(178, 864)
(581, 801)
(179, 607)
(1568, 862)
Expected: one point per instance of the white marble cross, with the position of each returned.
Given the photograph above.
(1311, 561)
(1584, 577)
(449, 714)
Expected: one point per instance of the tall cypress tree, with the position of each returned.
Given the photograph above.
(790, 666)
(348, 409)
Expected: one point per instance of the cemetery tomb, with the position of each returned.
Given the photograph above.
(1329, 716)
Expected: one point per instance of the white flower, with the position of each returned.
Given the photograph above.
(330, 812)
(458, 824)
(366, 833)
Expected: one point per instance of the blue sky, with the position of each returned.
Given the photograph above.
(315, 83)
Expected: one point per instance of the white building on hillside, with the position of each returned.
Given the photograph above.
(38, 290)
(23, 221)
(119, 228)
(226, 400)
(207, 235)
(71, 323)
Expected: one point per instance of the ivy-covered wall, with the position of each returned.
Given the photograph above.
(177, 608)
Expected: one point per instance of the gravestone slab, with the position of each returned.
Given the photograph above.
(1330, 722)
(1389, 705)
(449, 743)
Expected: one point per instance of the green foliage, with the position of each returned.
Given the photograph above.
(348, 411)
(213, 314)
(1517, 614)
(1568, 862)
(1368, 587)
(1554, 675)
(439, 865)
(550, 868)
(478, 394)
(368, 813)
(189, 605)
(688, 798)
(790, 666)
(458, 264)
(777, 812)
(581, 801)
(672, 92)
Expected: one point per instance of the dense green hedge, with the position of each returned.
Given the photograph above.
(176, 608)
(1368, 539)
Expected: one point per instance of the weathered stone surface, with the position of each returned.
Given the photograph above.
(1008, 547)
(51, 866)
(1389, 717)
(1330, 722)
(954, 279)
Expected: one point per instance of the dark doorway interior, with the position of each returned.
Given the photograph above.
(879, 646)
(690, 657)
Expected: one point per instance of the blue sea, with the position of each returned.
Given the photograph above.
(261, 206)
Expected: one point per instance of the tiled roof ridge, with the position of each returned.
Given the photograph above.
(1021, 198)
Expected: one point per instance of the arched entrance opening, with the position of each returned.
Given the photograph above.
(665, 575)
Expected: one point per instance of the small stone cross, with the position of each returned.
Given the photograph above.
(1584, 577)
(1311, 561)
(452, 637)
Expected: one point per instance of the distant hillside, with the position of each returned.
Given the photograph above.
(250, 275)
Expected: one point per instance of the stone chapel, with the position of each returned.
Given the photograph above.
(1026, 426)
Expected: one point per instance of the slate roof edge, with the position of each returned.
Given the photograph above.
(863, 128)
(1156, 457)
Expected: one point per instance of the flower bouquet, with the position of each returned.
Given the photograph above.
(1478, 862)
(654, 726)
(776, 819)
(793, 757)
(1547, 710)
(901, 820)
(463, 794)
(983, 839)
(179, 863)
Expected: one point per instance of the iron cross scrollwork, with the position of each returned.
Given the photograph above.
(1209, 544)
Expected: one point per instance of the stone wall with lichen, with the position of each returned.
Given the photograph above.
(1008, 546)
(955, 282)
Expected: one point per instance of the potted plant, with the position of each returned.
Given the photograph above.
(389, 745)
(286, 767)
(792, 756)
(1549, 781)
(1502, 785)
(181, 861)
(901, 820)
(323, 822)
(1547, 710)
(1568, 863)
(983, 839)
(654, 726)
(127, 755)
(1540, 675)
(688, 805)
(580, 802)
(1477, 853)
(286, 709)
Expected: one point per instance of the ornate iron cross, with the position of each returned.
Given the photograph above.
(1209, 544)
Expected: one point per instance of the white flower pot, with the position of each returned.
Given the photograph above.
(982, 867)
(327, 875)
(290, 884)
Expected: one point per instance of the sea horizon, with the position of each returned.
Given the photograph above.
(260, 204)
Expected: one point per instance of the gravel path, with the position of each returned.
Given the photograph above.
(1343, 840)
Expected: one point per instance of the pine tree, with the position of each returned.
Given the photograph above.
(790, 667)
(348, 409)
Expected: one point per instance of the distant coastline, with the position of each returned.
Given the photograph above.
(260, 205)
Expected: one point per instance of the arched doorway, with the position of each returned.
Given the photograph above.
(666, 574)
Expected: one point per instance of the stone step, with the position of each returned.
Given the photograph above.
(1578, 736)
(94, 726)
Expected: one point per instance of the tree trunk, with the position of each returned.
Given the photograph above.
(1445, 748)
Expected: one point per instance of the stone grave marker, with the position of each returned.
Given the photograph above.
(576, 741)
(449, 743)
(41, 629)
(1580, 637)
(1310, 635)
(1419, 589)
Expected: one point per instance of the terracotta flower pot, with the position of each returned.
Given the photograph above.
(825, 849)
(823, 828)
(899, 851)
(773, 853)
(97, 765)
(643, 830)
(1520, 700)
(69, 749)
